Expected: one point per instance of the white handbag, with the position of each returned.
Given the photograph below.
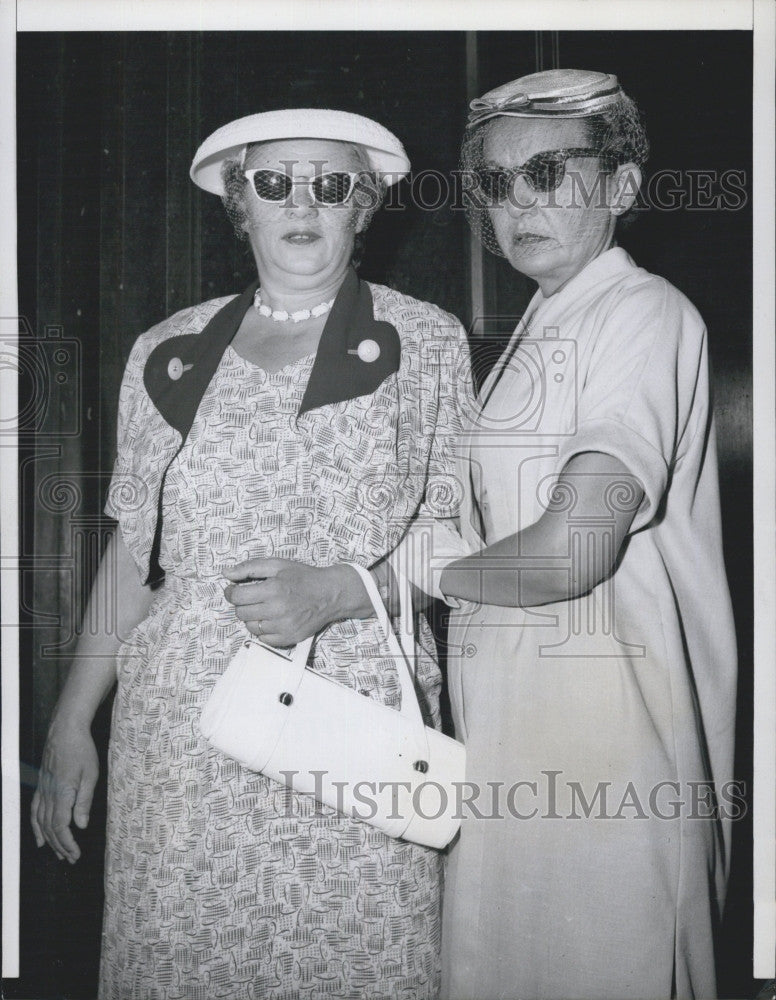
(365, 759)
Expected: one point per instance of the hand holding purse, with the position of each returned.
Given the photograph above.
(365, 759)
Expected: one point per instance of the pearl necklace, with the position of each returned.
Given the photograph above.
(281, 316)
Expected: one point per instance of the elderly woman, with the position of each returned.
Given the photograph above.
(308, 418)
(595, 681)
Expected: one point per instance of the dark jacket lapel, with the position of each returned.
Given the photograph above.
(338, 372)
(177, 399)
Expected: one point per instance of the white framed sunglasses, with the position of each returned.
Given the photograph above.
(331, 188)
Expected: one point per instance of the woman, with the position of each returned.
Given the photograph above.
(593, 679)
(598, 689)
(307, 418)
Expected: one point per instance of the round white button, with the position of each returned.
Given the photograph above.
(175, 369)
(368, 350)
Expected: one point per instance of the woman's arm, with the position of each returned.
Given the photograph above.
(69, 769)
(284, 601)
(565, 553)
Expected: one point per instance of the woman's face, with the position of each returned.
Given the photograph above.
(300, 244)
(550, 236)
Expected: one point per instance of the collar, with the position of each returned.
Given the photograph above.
(610, 264)
(179, 369)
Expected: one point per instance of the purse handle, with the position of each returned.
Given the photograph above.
(410, 708)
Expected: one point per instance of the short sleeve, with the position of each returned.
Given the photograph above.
(131, 493)
(145, 442)
(125, 481)
(638, 388)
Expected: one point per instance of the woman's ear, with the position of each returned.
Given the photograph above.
(367, 198)
(245, 220)
(624, 186)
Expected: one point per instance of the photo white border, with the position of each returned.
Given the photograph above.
(411, 15)
(764, 571)
(9, 493)
(420, 15)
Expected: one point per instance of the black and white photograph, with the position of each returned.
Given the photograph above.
(387, 501)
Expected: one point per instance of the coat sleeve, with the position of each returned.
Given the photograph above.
(641, 395)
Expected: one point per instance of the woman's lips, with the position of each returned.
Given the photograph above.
(528, 239)
(526, 244)
(302, 237)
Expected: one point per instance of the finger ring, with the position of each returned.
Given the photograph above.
(259, 629)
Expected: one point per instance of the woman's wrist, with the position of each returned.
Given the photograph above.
(346, 594)
(68, 718)
(89, 682)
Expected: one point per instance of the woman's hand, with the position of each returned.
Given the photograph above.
(69, 770)
(66, 783)
(283, 602)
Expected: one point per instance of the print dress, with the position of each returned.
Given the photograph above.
(219, 882)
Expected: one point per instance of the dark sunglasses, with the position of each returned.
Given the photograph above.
(543, 172)
(332, 188)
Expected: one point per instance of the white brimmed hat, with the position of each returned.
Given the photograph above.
(384, 151)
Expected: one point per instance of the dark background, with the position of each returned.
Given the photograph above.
(113, 237)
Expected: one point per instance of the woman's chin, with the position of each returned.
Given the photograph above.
(304, 254)
(531, 257)
(301, 263)
(304, 260)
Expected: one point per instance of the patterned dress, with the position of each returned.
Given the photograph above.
(219, 882)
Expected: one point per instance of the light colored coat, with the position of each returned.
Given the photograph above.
(600, 713)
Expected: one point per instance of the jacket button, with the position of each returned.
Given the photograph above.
(368, 351)
(175, 369)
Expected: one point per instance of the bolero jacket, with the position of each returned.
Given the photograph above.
(381, 424)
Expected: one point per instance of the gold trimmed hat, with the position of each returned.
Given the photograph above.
(553, 93)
